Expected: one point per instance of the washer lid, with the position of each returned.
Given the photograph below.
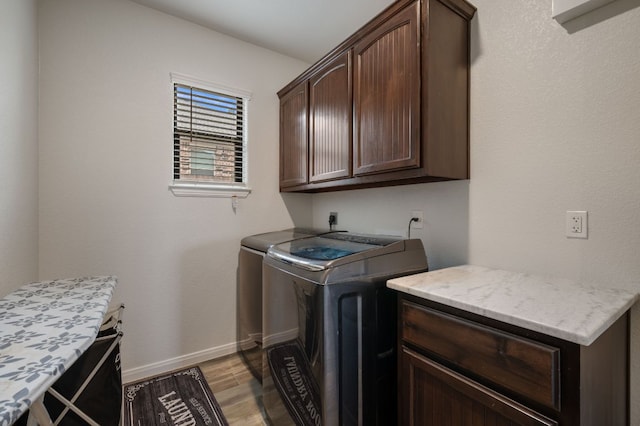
(326, 251)
(323, 252)
(262, 242)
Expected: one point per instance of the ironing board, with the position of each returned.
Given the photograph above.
(44, 328)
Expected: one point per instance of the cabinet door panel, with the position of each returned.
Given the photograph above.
(387, 95)
(435, 395)
(293, 137)
(330, 118)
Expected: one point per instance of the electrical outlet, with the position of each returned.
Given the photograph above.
(420, 223)
(576, 224)
(333, 219)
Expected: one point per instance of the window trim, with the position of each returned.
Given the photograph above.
(207, 189)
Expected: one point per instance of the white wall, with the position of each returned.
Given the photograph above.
(106, 162)
(445, 232)
(555, 126)
(18, 144)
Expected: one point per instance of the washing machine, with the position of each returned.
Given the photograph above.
(329, 328)
(249, 290)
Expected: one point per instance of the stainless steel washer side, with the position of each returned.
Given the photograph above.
(249, 290)
(329, 336)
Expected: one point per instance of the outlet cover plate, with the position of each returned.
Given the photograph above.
(333, 215)
(420, 215)
(576, 224)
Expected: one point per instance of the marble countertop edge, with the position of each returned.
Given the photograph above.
(583, 326)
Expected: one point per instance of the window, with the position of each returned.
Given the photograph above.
(209, 139)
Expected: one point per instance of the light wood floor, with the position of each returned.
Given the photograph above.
(236, 390)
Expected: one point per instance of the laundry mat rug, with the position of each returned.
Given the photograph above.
(181, 398)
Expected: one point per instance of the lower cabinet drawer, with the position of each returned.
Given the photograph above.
(526, 367)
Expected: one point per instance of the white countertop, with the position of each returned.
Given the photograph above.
(569, 310)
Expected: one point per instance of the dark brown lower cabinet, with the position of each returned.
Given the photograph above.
(456, 368)
(436, 395)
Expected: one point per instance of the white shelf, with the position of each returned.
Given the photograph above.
(565, 10)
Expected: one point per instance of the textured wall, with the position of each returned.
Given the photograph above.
(18, 144)
(106, 163)
(555, 126)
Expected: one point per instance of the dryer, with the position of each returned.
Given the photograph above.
(249, 290)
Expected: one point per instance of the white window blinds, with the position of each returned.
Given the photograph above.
(208, 136)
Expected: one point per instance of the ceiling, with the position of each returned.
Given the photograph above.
(302, 29)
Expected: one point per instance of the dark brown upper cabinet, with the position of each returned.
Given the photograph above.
(388, 106)
(330, 103)
(387, 95)
(294, 137)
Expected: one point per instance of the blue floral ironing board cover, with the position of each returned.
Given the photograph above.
(44, 328)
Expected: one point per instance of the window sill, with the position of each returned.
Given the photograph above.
(194, 189)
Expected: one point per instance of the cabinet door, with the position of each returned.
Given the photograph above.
(294, 137)
(330, 118)
(435, 395)
(387, 95)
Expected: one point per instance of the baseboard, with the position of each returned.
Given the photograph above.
(139, 373)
